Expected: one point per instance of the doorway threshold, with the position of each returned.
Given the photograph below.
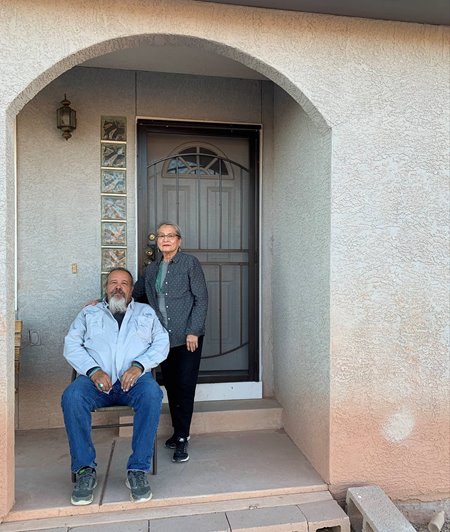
(224, 391)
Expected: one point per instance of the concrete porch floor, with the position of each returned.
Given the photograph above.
(226, 467)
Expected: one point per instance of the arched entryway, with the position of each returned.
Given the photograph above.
(296, 140)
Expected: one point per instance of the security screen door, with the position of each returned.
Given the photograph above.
(204, 177)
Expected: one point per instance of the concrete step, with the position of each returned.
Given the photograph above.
(301, 512)
(303, 517)
(236, 481)
(226, 472)
(222, 416)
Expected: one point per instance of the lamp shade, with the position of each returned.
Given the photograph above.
(66, 119)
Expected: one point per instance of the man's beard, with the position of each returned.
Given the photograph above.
(117, 303)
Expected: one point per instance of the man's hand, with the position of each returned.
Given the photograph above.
(130, 377)
(102, 381)
(191, 342)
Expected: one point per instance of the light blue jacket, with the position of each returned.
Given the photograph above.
(94, 339)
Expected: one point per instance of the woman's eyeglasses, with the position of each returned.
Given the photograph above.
(170, 236)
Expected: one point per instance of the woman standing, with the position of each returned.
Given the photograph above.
(176, 289)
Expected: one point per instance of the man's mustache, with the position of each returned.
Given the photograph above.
(118, 291)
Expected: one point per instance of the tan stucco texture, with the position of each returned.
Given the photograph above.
(373, 111)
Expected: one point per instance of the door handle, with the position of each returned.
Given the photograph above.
(150, 250)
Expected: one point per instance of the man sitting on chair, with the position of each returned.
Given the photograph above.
(113, 346)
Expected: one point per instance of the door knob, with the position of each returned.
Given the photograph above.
(150, 250)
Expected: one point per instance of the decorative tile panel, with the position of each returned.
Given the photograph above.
(113, 258)
(113, 194)
(113, 181)
(114, 208)
(114, 155)
(114, 128)
(114, 234)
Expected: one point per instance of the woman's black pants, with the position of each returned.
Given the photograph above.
(180, 374)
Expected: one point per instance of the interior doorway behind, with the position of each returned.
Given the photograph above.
(205, 178)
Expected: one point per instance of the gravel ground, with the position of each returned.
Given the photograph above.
(424, 528)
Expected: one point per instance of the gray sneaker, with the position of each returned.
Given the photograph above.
(139, 487)
(83, 490)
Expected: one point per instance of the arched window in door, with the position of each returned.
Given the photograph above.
(197, 160)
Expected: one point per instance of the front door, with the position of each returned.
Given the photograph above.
(204, 178)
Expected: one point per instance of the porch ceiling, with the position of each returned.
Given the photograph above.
(425, 12)
(174, 59)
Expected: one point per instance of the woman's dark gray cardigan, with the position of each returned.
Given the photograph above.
(185, 293)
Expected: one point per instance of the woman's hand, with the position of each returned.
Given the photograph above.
(191, 342)
(91, 302)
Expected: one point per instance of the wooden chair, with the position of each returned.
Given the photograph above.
(121, 410)
(17, 350)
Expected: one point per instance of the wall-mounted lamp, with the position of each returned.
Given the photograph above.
(66, 119)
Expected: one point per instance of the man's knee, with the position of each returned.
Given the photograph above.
(150, 391)
(73, 395)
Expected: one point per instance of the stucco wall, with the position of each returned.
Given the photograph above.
(383, 89)
(7, 245)
(300, 278)
(390, 419)
(59, 203)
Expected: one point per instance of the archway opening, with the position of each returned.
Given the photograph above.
(61, 207)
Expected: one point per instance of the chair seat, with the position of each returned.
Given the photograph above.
(116, 408)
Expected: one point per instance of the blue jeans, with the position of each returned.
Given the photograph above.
(81, 397)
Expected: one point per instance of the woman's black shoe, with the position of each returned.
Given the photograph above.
(171, 443)
(181, 454)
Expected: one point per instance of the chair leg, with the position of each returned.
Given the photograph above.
(155, 458)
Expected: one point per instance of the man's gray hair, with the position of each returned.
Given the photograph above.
(119, 269)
